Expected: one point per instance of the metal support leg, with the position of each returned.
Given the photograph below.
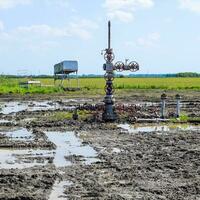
(62, 81)
(68, 80)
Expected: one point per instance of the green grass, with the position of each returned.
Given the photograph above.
(59, 116)
(138, 83)
(11, 85)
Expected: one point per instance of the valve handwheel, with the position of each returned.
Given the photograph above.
(119, 66)
(134, 66)
(109, 56)
(109, 77)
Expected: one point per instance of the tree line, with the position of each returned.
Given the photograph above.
(181, 74)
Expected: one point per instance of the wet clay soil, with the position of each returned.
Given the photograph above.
(98, 160)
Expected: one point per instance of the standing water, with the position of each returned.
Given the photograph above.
(68, 144)
(158, 128)
(58, 189)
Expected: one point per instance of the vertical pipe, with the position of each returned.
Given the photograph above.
(163, 105)
(178, 105)
(109, 35)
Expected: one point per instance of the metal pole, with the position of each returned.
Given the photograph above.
(163, 105)
(109, 35)
(68, 84)
(178, 105)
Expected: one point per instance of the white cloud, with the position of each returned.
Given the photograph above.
(36, 37)
(123, 10)
(81, 29)
(4, 4)
(42, 30)
(121, 15)
(191, 5)
(129, 44)
(42, 46)
(149, 40)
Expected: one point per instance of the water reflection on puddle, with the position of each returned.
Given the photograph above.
(14, 107)
(20, 159)
(158, 128)
(10, 107)
(66, 144)
(4, 121)
(58, 190)
(20, 135)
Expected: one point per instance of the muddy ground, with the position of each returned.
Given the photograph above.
(97, 160)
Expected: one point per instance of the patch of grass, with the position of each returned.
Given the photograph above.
(67, 115)
(59, 116)
(184, 118)
(194, 119)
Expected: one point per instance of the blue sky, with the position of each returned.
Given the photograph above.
(163, 36)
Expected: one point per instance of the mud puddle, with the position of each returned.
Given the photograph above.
(158, 128)
(12, 107)
(69, 149)
(21, 159)
(19, 135)
(68, 144)
(77, 100)
(4, 121)
(58, 190)
(15, 107)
